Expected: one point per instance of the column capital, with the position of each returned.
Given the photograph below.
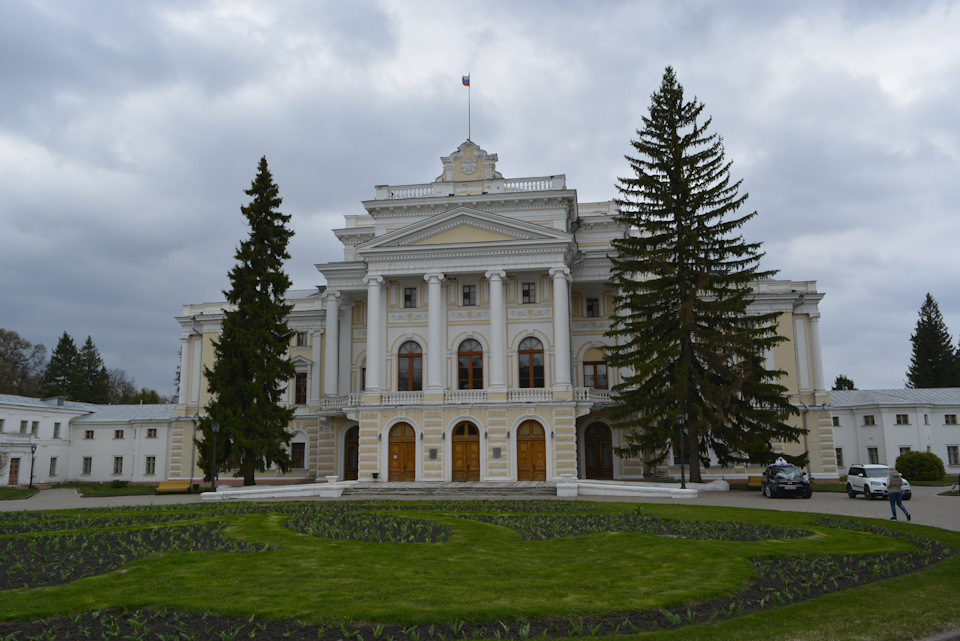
(373, 280)
(331, 294)
(435, 277)
(560, 272)
(496, 274)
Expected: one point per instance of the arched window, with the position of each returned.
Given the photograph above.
(470, 365)
(531, 362)
(595, 369)
(409, 368)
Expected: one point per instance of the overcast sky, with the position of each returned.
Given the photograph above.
(129, 130)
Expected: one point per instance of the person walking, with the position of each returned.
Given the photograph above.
(895, 493)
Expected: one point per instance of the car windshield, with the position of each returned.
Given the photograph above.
(877, 472)
(788, 472)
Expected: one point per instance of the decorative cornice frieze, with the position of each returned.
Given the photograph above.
(533, 312)
(462, 315)
(407, 317)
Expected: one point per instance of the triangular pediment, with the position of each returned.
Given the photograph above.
(465, 226)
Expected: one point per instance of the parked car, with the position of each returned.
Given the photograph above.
(871, 481)
(783, 479)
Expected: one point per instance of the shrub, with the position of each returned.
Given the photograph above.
(920, 466)
(117, 484)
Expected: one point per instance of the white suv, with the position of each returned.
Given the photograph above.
(871, 481)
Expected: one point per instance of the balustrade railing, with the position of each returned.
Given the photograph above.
(465, 396)
(536, 395)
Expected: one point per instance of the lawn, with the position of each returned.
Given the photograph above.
(444, 570)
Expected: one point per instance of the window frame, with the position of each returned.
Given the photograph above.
(953, 455)
(53, 466)
(86, 466)
(593, 308)
(117, 465)
(150, 466)
(303, 339)
(839, 455)
(873, 455)
(151, 432)
(468, 296)
(869, 420)
(595, 376)
(902, 419)
(300, 388)
(410, 376)
(298, 454)
(528, 293)
(471, 376)
(949, 419)
(535, 373)
(409, 297)
(88, 435)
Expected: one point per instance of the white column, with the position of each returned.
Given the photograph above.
(436, 305)
(331, 359)
(498, 332)
(316, 370)
(374, 333)
(818, 383)
(561, 327)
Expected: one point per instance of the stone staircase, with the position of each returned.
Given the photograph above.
(449, 490)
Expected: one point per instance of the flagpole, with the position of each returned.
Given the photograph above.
(469, 123)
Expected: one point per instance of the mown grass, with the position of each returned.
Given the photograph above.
(16, 493)
(487, 573)
(105, 489)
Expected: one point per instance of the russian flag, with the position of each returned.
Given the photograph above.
(466, 81)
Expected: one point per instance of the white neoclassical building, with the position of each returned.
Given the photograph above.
(461, 336)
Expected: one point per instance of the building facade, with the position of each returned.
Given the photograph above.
(461, 338)
(877, 426)
(52, 440)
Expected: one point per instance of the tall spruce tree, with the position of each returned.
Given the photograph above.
(934, 362)
(682, 279)
(94, 378)
(62, 375)
(252, 366)
(843, 383)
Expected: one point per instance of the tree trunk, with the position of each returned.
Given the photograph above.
(693, 455)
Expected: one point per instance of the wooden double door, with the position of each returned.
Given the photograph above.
(402, 453)
(351, 449)
(466, 452)
(14, 477)
(598, 447)
(531, 452)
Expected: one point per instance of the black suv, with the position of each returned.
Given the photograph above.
(783, 479)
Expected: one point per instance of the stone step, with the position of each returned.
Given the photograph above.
(452, 490)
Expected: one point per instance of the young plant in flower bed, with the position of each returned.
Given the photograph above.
(350, 521)
(44, 523)
(37, 560)
(541, 527)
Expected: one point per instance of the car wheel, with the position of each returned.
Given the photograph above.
(850, 492)
(867, 494)
(808, 493)
(906, 497)
(768, 492)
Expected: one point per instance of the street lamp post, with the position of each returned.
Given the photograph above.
(213, 471)
(33, 450)
(681, 421)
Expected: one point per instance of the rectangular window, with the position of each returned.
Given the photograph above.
(88, 434)
(469, 295)
(117, 433)
(409, 296)
(903, 419)
(953, 455)
(35, 427)
(868, 420)
(118, 465)
(297, 455)
(873, 456)
(593, 308)
(150, 466)
(23, 427)
(836, 421)
(53, 466)
(1, 424)
(302, 339)
(87, 464)
(595, 375)
(950, 419)
(839, 457)
(56, 430)
(529, 293)
(151, 432)
(904, 450)
(300, 390)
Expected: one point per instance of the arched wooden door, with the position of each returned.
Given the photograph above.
(403, 453)
(598, 447)
(531, 452)
(466, 452)
(351, 447)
